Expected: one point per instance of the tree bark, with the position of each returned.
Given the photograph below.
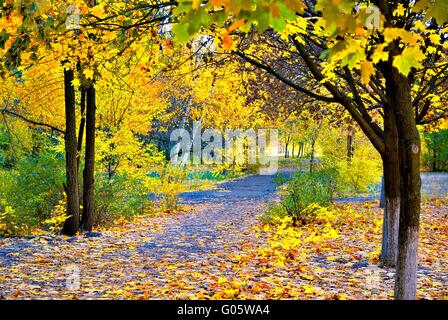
(81, 124)
(312, 156)
(89, 167)
(391, 185)
(382, 193)
(391, 178)
(410, 182)
(71, 225)
(350, 143)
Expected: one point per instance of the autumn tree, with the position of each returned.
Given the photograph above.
(390, 58)
(84, 38)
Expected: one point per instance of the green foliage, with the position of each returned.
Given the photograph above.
(32, 175)
(436, 156)
(34, 186)
(123, 195)
(16, 141)
(304, 193)
(127, 194)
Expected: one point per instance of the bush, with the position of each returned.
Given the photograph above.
(57, 217)
(303, 192)
(8, 220)
(129, 194)
(124, 195)
(171, 183)
(33, 187)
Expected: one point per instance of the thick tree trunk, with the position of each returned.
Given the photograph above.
(89, 167)
(409, 148)
(391, 184)
(71, 225)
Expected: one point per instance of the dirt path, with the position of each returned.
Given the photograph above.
(179, 256)
(221, 215)
(216, 225)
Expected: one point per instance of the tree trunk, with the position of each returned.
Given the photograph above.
(89, 167)
(350, 143)
(391, 185)
(81, 124)
(312, 156)
(382, 193)
(71, 225)
(409, 149)
(434, 160)
(391, 217)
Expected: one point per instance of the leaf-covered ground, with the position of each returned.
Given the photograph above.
(316, 261)
(219, 249)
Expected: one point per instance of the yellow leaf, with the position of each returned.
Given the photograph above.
(399, 11)
(76, 83)
(227, 41)
(408, 59)
(390, 34)
(379, 55)
(367, 70)
(434, 38)
(308, 289)
(98, 11)
(196, 4)
(280, 263)
(88, 73)
(222, 280)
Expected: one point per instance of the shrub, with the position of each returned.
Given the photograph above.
(8, 220)
(302, 193)
(124, 195)
(33, 187)
(171, 183)
(57, 216)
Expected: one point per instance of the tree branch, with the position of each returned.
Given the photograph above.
(36, 123)
(271, 71)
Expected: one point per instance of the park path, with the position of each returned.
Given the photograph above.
(221, 215)
(215, 224)
(152, 253)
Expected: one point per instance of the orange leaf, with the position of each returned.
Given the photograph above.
(236, 25)
(227, 41)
